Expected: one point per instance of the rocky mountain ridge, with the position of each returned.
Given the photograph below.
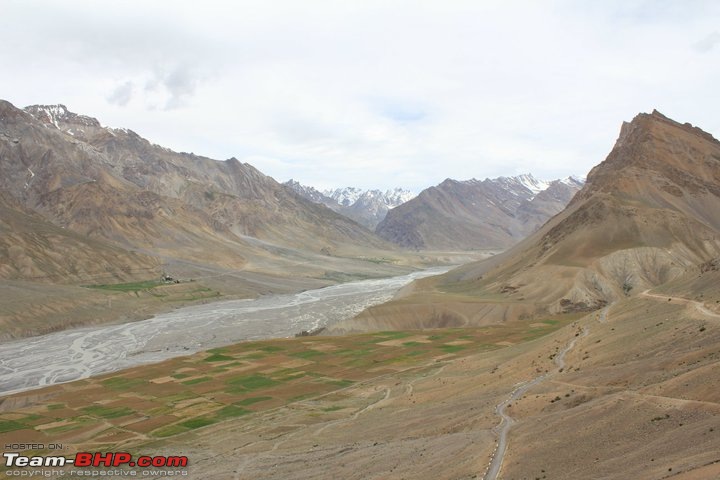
(367, 207)
(477, 214)
(349, 196)
(118, 189)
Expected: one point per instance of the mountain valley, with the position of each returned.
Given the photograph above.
(587, 349)
(88, 205)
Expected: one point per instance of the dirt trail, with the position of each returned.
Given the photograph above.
(506, 421)
(699, 306)
(355, 416)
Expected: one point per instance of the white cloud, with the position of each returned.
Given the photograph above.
(708, 42)
(122, 94)
(370, 93)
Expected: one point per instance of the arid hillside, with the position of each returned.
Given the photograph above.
(627, 392)
(33, 248)
(114, 186)
(649, 214)
(473, 214)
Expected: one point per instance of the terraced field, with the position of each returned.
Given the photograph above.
(159, 401)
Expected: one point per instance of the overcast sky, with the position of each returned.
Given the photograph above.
(371, 93)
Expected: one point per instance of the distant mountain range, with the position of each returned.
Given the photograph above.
(367, 207)
(83, 202)
(477, 214)
(455, 215)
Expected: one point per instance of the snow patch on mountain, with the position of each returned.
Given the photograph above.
(573, 181)
(344, 196)
(350, 196)
(60, 117)
(531, 183)
(367, 207)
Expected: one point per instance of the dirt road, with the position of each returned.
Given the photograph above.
(506, 421)
(699, 306)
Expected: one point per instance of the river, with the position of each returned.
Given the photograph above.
(80, 353)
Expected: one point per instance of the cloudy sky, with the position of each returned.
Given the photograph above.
(371, 93)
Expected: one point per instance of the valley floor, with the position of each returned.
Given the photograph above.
(33, 308)
(636, 394)
(637, 397)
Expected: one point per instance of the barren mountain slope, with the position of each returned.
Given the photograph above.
(549, 202)
(113, 186)
(33, 249)
(234, 195)
(649, 214)
(473, 214)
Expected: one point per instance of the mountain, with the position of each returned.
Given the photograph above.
(32, 248)
(548, 202)
(113, 187)
(366, 207)
(474, 214)
(344, 197)
(648, 216)
(312, 194)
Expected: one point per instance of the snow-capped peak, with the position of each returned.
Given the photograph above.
(349, 196)
(344, 196)
(398, 196)
(573, 181)
(531, 183)
(521, 184)
(367, 207)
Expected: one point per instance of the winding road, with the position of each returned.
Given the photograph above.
(506, 421)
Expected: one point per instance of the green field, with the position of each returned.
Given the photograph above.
(129, 287)
(173, 397)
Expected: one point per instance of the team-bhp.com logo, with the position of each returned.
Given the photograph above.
(86, 459)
